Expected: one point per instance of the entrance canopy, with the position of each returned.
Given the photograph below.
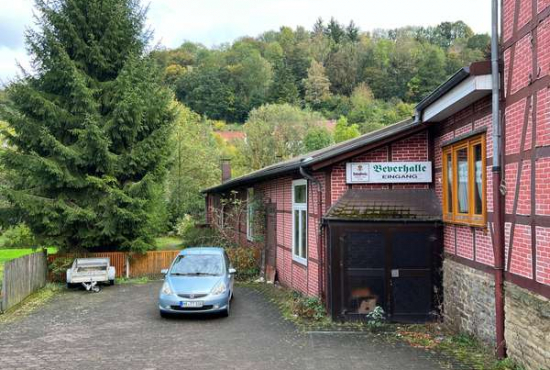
(386, 205)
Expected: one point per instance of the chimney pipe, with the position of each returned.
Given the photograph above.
(226, 169)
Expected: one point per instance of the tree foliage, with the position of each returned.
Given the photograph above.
(88, 146)
(297, 66)
(317, 85)
(345, 131)
(275, 132)
(317, 138)
(194, 164)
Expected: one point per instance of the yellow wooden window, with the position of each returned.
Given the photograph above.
(464, 182)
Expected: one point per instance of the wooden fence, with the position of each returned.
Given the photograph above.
(151, 263)
(130, 265)
(23, 276)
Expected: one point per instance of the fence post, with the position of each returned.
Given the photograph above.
(2, 301)
(127, 266)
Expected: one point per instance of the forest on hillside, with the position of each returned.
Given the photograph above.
(371, 78)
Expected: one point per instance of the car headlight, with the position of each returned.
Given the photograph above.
(219, 288)
(166, 289)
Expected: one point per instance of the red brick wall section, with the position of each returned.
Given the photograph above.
(414, 148)
(456, 237)
(526, 68)
(543, 255)
(291, 273)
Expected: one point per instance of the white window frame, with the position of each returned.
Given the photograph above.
(302, 223)
(250, 214)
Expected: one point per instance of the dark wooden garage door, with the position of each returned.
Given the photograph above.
(388, 265)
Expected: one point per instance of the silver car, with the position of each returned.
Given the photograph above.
(200, 280)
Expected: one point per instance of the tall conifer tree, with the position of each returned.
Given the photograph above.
(89, 128)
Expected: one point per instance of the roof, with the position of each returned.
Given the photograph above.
(474, 69)
(231, 135)
(316, 157)
(384, 205)
(201, 250)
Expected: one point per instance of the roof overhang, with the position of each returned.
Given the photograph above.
(402, 205)
(459, 97)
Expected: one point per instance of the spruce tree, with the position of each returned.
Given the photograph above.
(89, 128)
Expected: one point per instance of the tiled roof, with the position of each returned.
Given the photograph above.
(384, 205)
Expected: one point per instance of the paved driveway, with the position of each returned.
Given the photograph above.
(120, 328)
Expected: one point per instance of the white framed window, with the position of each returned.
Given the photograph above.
(299, 221)
(250, 214)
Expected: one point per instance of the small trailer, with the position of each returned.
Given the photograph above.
(90, 272)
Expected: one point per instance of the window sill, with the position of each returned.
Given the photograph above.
(465, 223)
(300, 260)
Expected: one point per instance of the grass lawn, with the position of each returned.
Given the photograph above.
(168, 242)
(10, 254)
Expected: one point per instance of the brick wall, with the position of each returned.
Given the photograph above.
(527, 130)
(471, 243)
(413, 148)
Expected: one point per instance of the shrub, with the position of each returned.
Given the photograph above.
(376, 319)
(193, 236)
(243, 258)
(310, 308)
(244, 261)
(58, 268)
(19, 236)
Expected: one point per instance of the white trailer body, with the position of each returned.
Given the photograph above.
(91, 271)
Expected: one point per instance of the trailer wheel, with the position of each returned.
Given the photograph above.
(70, 285)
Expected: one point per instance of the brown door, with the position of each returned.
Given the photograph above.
(271, 236)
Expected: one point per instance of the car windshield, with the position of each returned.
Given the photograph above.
(197, 265)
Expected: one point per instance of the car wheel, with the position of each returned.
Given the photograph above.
(164, 315)
(227, 311)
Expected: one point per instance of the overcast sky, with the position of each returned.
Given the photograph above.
(212, 22)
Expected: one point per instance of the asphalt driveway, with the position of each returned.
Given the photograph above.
(120, 328)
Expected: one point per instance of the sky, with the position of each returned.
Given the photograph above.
(213, 22)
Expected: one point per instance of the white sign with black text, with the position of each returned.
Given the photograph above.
(388, 172)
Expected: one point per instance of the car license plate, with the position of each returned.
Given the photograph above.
(194, 304)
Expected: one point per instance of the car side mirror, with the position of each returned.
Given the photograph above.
(164, 271)
(232, 271)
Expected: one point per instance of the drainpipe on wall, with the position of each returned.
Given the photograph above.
(498, 242)
(311, 178)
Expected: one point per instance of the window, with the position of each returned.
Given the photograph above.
(464, 184)
(250, 214)
(299, 221)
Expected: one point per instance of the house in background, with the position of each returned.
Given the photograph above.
(404, 217)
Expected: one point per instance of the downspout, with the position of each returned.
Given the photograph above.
(497, 178)
(311, 178)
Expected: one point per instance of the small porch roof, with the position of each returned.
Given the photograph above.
(386, 205)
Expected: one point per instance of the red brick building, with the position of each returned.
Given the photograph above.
(406, 217)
